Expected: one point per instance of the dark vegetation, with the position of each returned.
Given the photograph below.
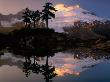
(94, 34)
(33, 36)
(33, 42)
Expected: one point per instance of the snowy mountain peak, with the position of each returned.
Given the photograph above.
(67, 15)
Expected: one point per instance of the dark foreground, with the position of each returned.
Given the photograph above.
(31, 55)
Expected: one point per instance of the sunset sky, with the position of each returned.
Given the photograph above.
(100, 7)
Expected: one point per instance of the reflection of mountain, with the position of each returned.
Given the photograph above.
(14, 60)
(9, 59)
(65, 63)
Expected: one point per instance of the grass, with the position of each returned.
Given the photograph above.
(8, 29)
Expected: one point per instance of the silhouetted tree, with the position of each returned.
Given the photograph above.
(35, 17)
(26, 17)
(48, 12)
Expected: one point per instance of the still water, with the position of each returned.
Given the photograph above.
(70, 66)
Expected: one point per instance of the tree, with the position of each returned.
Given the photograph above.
(31, 17)
(48, 12)
(35, 17)
(26, 17)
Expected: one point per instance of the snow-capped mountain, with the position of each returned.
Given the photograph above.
(65, 16)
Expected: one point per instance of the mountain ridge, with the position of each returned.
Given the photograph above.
(63, 18)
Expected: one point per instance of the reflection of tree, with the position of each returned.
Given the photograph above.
(46, 70)
(27, 66)
(95, 55)
(31, 54)
(81, 53)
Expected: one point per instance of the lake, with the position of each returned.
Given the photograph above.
(79, 65)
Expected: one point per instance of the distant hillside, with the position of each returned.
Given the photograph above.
(11, 17)
(9, 20)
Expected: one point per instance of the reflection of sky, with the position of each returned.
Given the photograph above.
(64, 63)
(99, 73)
(14, 74)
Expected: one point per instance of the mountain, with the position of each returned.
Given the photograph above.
(10, 17)
(65, 16)
(8, 20)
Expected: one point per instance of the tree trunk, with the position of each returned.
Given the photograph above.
(34, 24)
(34, 60)
(47, 23)
(26, 25)
(47, 70)
(47, 60)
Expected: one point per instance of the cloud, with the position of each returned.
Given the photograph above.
(68, 14)
(62, 7)
(65, 11)
(64, 70)
(64, 16)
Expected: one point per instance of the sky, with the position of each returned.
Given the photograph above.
(100, 7)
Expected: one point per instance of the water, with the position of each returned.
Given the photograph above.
(70, 66)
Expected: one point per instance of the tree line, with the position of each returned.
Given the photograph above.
(31, 18)
(101, 28)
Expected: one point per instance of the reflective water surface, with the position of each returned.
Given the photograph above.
(79, 65)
